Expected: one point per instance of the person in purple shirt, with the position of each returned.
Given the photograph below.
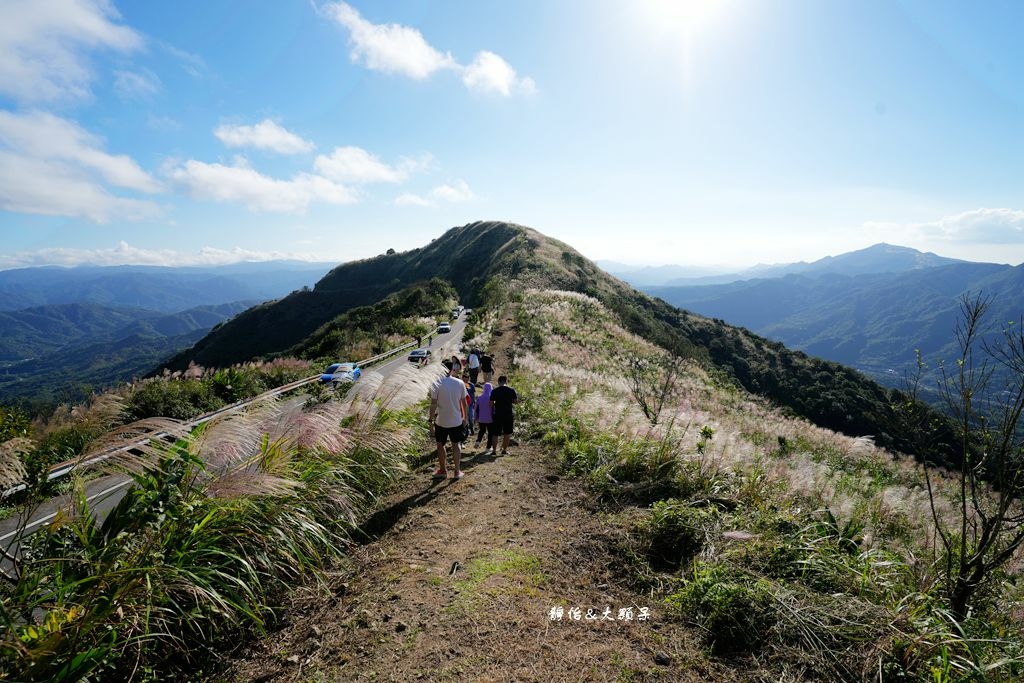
(485, 419)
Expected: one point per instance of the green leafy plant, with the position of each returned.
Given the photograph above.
(737, 614)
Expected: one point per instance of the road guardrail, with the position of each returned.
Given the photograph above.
(65, 468)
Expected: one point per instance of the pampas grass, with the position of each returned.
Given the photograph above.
(218, 524)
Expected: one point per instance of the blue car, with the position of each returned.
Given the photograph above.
(338, 373)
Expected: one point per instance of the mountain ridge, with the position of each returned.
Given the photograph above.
(878, 258)
(160, 288)
(68, 367)
(488, 260)
(873, 322)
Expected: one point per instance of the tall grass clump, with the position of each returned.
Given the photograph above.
(198, 554)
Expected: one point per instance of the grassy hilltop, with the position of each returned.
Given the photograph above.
(484, 261)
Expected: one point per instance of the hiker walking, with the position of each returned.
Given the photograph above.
(474, 365)
(485, 419)
(502, 399)
(448, 420)
(487, 366)
(471, 407)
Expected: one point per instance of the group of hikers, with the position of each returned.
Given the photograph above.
(456, 412)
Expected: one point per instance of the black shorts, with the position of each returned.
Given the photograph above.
(473, 374)
(502, 425)
(457, 434)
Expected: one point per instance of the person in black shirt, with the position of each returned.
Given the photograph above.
(487, 366)
(502, 399)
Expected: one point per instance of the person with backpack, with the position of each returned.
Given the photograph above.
(502, 400)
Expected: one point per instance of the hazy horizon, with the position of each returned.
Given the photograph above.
(214, 258)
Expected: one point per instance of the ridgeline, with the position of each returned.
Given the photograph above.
(488, 261)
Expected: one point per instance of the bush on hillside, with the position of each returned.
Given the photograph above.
(14, 423)
(736, 613)
(675, 532)
(181, 399)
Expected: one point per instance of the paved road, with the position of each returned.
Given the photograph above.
(104, 492)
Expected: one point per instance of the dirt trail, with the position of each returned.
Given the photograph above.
(458, 584)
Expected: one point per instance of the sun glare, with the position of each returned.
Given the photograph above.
(680, 19)
(680, 30)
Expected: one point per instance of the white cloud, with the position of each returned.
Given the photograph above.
(43, 41)
(980, 226)
(135, 85)
(455, 192)
(489, 73)
(125, 254)
(53, 188)
(410, 199)
(52, 166)
(356, 165)
(43, 136)
(241, 183)
(264, 135)
(393, 48)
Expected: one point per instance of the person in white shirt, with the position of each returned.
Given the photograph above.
(448, 420)
(474, 365)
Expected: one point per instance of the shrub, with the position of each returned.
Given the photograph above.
(675, 532)
(181, 399)
(14, 424)
(736, 613)
(57, 446)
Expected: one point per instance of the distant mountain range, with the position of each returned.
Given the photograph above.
(879, 258)
(155, 288)
(869, 309)
(67, 331)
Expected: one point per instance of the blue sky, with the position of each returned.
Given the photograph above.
(644, 131)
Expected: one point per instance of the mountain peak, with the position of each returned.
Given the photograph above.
(467, 256)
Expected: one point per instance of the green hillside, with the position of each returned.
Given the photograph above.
(368, 330)
(871, 322)
(81, 348)
(487, 260)
(464, 256)
(32, 332)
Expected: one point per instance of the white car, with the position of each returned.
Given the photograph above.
(443, 328)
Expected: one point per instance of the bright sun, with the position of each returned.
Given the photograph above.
(679, 19)
(681, 30)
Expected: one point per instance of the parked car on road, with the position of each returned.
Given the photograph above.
(442, 328)
(338, 373)
(419, 355)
